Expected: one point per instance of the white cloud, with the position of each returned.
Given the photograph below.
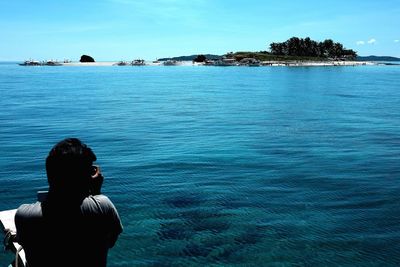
(360, 43)
(372, 41)
(396, 41)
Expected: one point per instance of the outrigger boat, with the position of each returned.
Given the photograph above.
(52, 63)
(138, 62)
(43, 63)
(226, 62)
(251, 62)
(171, 63)
(30, 63)
(121, 63)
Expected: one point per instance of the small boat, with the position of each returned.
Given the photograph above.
(30, 63)
(250, 62)
(209, 62)
(138, 62)
(52, 63)
(226, 62)
(171, 63)
(121, 63)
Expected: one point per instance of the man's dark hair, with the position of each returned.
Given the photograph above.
(69, 166)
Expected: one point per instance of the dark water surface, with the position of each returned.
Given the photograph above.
(273, 166)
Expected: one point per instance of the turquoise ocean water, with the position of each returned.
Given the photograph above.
(271, 166)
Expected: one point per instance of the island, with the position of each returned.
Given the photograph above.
(292, 52)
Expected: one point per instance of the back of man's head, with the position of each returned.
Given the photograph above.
(69, 166)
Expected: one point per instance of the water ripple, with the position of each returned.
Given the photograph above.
(217, 166)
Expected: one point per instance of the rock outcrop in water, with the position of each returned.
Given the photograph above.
(86, 58)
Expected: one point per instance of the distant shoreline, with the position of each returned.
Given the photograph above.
(263, 64)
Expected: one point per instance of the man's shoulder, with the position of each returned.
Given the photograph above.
(100, 198)
(28, 214)
(29, 210)
(98, 203)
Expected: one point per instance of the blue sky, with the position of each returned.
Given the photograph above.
(149, 29)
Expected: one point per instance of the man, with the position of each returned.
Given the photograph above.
(75, 225)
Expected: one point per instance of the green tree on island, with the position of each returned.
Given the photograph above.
(309, 48)
(200, 58)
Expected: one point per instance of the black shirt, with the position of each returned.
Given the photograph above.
(58, 233)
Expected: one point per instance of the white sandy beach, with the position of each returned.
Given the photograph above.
(91, 64)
